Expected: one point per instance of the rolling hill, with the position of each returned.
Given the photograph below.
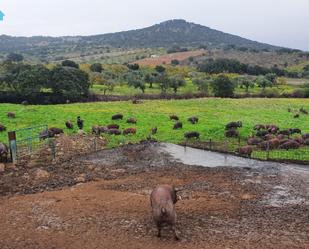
(166, 34)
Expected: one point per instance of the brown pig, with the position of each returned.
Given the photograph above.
(163, 199)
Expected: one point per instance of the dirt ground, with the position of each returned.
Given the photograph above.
(102, 201)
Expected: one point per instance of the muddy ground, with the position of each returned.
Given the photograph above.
(101, 200)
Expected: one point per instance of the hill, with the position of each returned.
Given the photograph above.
(166, 34)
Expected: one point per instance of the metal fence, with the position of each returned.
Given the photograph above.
(230, 145)
(23, 142)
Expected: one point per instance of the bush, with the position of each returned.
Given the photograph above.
(96, 68)
(69, 63)
(223, 87)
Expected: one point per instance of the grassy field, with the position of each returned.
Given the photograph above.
(124, 89)
(213, 114)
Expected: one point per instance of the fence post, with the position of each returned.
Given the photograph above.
(267, 154)
(95, 143)
(52, 147)
(210, 144)
(13, 145)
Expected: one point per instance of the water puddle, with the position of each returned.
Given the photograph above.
(204, 158)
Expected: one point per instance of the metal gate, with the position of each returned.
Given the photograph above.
(23, 142)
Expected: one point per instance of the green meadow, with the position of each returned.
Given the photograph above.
(213, 114)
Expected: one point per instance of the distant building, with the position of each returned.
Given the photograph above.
(1, 15)
(154, 56)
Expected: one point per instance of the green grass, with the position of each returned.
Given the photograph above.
(213, 114)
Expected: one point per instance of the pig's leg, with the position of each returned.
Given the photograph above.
(175, 232)
(159, 229)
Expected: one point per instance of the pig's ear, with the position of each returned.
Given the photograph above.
(178, 189)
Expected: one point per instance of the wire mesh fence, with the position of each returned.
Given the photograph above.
(231, 145)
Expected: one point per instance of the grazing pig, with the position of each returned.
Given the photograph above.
(129, 131)
(4, 151)
(117, 117)
(232, 133)
(259, 127)
(97, 130)
(114, 132)
(273, 129)
(154, 130)
(233, 125)
(295, 131)
(131, 121)
(25, 102)
(163, 199)
(113, 126)
(306, 136)
(193, 120)
(192, 134)
(245, 151)
(262, 133)
(53, 131)
(281, 136)
(289, 145)
(253, 141)
(69, 124)
(296, 115)
(174, 117)
(43, 135)
(269, 137)
(2, 128)
(270, 145)
(11, 115)
(178, 125)
(306, 142)
(285, 132)
(299, 140)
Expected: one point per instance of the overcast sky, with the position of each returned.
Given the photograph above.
(278, 22)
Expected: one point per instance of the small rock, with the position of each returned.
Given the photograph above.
(80, 178)
(2, 167)
(41, 174)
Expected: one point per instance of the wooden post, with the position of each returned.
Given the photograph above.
(13, 146)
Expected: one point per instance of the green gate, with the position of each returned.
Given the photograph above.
(23, 142)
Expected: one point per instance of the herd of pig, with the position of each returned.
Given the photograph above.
(270, 137)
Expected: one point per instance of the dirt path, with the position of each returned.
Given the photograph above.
(220, 207)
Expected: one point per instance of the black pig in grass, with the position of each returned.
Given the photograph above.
(193, 120)
(192, 134)
(113, 126)
(2, 128)
(177, 126)
(117, 117)
(233, 125)
(69, 124)
(4, 151)
(11, 115)
(232, 133)
(163, 199)
(131, 121)
(174, 117)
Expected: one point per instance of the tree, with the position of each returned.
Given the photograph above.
(98, 79)
(15, 57)
(25, 79)
(96, 68)
(223, 87)
(160, 69)
(245, 82)
(175, 62)
(272, 78)
(69, 63)
(263, 82)
(150, 78)
(69, 81)
(202, 83)
(175, 83)
(136, 80)
(133, 67)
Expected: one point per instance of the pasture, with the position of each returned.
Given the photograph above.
(213, 114)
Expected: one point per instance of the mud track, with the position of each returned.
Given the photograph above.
(102, 201)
